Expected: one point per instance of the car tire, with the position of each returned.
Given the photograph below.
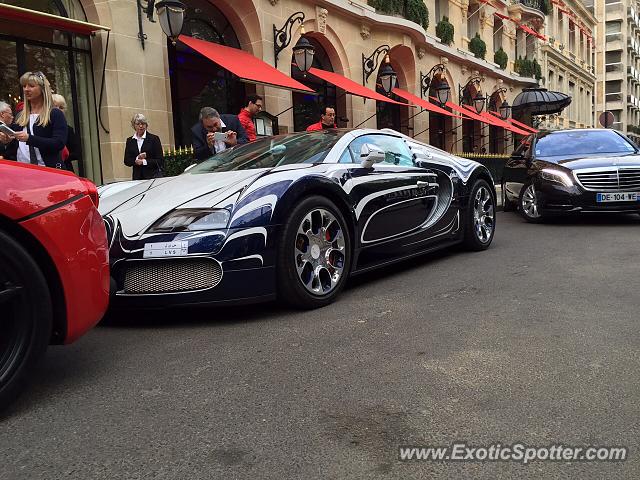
(314, 254)
(480, 221)
(507, 205)
(528, 204)
(25, 323)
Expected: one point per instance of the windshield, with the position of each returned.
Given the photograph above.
(580, 142)
(272, 152)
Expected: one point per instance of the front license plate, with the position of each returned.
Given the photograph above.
(617, 197)
(166, 249)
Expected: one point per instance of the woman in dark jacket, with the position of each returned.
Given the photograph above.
(143, 151)
(44, 128)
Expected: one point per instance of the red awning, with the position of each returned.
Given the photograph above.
(469, 113)
(421, 102)
(350, 86)
(41, 19)
(507, 126)
(524, 126)
(249, 68)
(503, 16)
(529, 30)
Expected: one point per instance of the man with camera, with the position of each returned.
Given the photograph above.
(214, 133)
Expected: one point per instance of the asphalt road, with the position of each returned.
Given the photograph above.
(533, 341)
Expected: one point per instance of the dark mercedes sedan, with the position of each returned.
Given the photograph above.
(572, 171)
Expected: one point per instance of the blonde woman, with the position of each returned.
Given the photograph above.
(44, 128)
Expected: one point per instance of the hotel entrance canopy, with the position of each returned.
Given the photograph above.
(47, 20)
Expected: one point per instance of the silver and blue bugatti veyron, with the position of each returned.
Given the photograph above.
(291, 217)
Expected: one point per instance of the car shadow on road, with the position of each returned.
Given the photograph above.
(587, 219)
(193, 316)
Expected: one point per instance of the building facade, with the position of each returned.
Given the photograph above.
(618, 65)
(129, 66)
(568, 62)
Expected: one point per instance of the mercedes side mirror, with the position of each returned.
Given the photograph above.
(370, 154)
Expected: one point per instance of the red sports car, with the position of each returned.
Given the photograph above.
(54, 266)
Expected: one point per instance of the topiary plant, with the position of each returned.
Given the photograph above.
(501, 58)
(478, 47)
(387, 6)
(536, 69)
(417, 12)
(445, 30)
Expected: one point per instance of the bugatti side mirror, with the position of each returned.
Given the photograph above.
(370, 154)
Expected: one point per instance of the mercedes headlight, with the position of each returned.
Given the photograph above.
(556, 176)
(192, 220)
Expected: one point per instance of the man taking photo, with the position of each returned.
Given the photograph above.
(207, 134)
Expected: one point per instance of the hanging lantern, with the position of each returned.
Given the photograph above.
(478, 102)
(171, 16)
(443, 92)
(505, 110)
(303, 53)
(387, 76)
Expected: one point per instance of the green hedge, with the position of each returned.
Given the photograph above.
(416, 10)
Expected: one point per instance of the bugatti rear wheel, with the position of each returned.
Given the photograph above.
(314, 254)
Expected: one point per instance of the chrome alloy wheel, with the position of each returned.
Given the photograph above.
(530, 202)
(483, 214)
(320, 253)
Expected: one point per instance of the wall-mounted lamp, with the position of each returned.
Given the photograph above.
(442, 88)
(170, 13)
(370, 63)
(303, 51)
(478, 102)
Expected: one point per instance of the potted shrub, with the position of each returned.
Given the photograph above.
(478, 47)
(444, 31)
(417, 12)
(501, 58)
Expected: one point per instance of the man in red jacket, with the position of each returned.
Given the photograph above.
(253, 105)
(327, 120)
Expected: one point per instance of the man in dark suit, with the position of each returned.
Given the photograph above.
(203, 133)
(143, 151)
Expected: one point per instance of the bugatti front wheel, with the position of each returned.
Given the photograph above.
(314, 254)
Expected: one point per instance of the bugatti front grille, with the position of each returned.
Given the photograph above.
(171, 276)
(610, 179)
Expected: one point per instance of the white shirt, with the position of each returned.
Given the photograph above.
(23, 148)
(140, 141)
(219, 144)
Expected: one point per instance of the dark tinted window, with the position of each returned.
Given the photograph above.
(272, 152)
(582, 142)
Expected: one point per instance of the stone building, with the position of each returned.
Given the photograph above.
(568, 62)
(618, 63)
(110, 62)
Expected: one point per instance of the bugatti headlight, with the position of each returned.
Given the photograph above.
(556, 176)
(191, 220)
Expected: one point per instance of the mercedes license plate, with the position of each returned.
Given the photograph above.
(617, 197)
(166, 249)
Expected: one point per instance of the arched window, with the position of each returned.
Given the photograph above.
(196, 81)
(306, 108)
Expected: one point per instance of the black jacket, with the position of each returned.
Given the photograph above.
(50, 140)
(199, 135)
(155, 161)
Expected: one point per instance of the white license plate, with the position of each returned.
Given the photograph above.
(166, 249)
(617, 197)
